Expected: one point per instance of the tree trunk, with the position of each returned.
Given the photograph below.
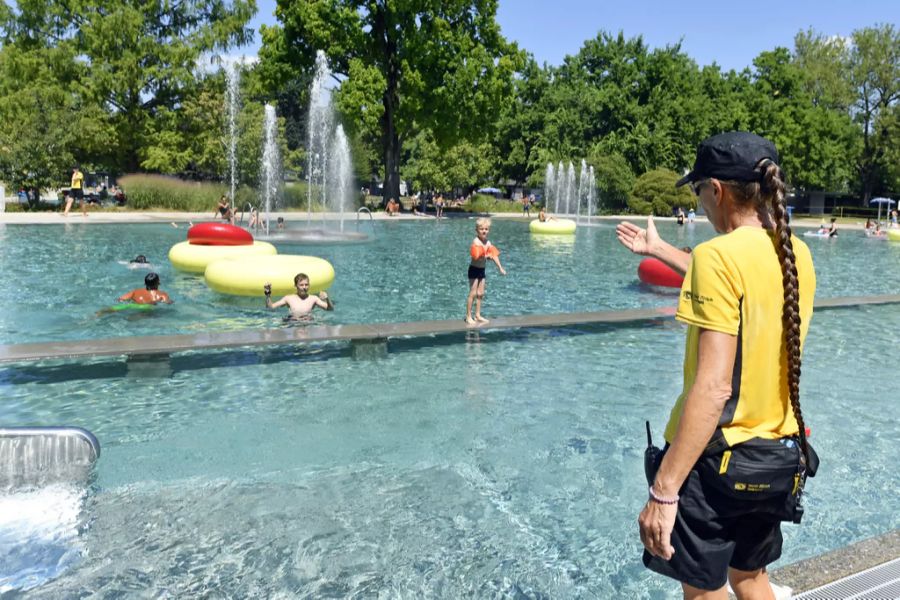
(391, 148)
(390, 138)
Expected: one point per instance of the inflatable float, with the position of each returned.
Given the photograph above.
(656, 272)
(194, 258)
(552, 227)
(246, 275)
(893, 235)
(218, 234)
(130, 306)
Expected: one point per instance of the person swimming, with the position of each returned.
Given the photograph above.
(151, 294)
(138, 262)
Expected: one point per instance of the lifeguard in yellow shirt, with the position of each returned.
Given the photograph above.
(76, 190)
(736, 455)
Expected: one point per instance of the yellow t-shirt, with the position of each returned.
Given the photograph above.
(77, 178)
(734, 285)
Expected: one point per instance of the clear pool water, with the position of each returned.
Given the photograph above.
(490, 465)
(56, 278)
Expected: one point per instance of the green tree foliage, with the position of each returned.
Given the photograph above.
(443, 66)
(46, 129)
(519, 129)
(655, 193)
(813, 140)
(137, 57)
(614, 177)
(464, 165)
(859, 80)
(875, 76)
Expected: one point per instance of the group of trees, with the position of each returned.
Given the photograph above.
(430, 91)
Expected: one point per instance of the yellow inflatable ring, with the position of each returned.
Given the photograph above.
(246, 275)
(894, 235)
(194, 258)
(553, 227)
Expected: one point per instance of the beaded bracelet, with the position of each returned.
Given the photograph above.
(660, 499)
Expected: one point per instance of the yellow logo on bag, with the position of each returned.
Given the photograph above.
(751, 487)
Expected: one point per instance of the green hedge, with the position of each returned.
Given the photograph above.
(484, 203)
(146, 192)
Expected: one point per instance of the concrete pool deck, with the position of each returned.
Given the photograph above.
(182, 218)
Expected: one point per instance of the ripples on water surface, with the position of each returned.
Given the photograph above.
(498, 465)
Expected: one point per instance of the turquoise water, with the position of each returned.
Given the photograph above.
(56, 278)
(489, 465)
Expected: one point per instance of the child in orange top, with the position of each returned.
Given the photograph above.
(481, 250)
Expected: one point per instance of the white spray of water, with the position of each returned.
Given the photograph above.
(271, 163)
(341, 173)
(319, 128)
(232, 98)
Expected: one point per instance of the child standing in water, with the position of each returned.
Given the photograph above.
(481, 250)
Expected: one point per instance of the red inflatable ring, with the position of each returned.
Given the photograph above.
(656, 272)
(218, 234)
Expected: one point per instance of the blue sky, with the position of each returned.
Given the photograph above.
(729, 33)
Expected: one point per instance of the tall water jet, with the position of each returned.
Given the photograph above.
(329, 172)
(271, 163)
(232, 99)
(560, 186)
(570, 188)
(319, 129)
(549, 184)
(592, 191)
(583, 183)
(341, 175)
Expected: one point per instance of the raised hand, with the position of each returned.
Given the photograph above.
(637, 239)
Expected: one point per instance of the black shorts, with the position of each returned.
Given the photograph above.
(476, 272)
(77, 193)
(713, 532)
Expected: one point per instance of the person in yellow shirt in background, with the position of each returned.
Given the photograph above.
(76, 190)
(736, 455)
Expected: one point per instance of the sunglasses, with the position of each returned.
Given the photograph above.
(698, 185)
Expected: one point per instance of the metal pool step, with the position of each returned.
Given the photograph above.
(882, 581)
(38, 456)
(169, 344)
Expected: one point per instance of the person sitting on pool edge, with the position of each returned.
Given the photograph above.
(151, 295)
(302, 303)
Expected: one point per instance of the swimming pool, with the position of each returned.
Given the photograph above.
(488, 465)
(57, 277)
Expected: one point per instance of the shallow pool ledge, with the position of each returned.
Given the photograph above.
(170, 344)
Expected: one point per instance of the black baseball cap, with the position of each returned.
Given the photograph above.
(730, 156)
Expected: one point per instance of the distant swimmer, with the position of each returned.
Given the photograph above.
(150, 294)
(138, 262)
(302, 303)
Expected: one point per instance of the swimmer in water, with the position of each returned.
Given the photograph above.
(138, 262)
(150, 295)
(302, 303)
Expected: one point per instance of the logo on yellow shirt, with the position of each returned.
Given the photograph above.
(692, 297)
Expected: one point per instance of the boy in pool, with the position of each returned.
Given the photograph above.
(480, 250)
(302, 303)
(151, 295)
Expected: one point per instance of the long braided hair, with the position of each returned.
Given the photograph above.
(768, 195)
